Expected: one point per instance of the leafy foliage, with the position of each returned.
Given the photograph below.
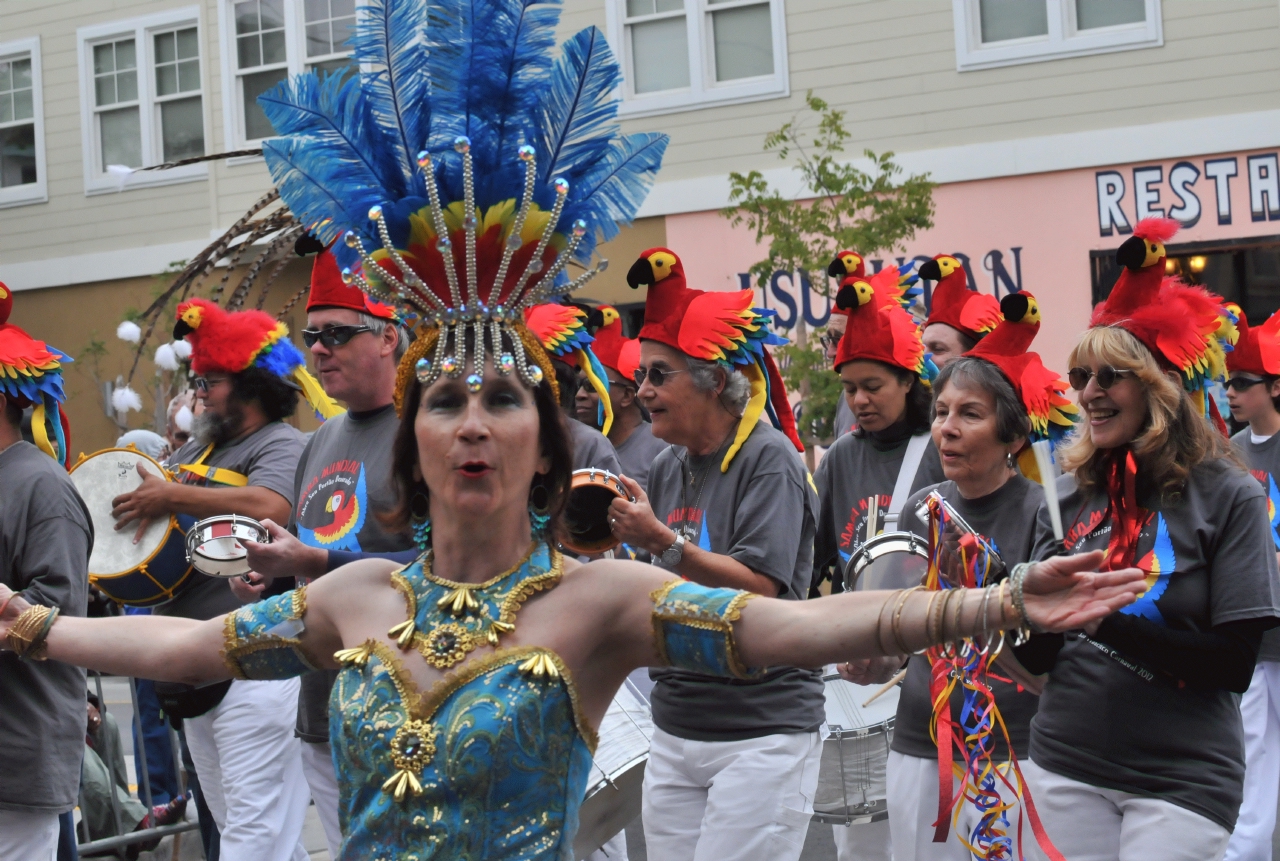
(805, 368)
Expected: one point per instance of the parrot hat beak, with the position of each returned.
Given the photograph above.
(1015, 306)
(930, 271)
(1137, 253)
(640, 274)
(181, 329)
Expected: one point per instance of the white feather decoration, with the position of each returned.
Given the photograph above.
(124, 399)
(120, 173)
(165, 357)
(182, 418)
(129, 331)
(181, 349)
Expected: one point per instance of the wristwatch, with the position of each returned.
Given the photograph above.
(670, 557)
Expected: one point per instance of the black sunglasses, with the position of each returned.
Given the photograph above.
(203, 384)
(830, 339)
(656, 375)
(1107, 376)
(1242, 384)
(333, 336)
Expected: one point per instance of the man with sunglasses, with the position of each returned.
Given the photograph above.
(1253, 394)
(733, 765)
(631, 434)
(342, 481)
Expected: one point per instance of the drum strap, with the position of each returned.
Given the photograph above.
(216, 474)
(906, 474)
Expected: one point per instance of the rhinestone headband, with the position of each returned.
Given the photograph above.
(389, 277)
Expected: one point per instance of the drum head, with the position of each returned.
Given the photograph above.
(100, 478)
(894, 560)
(215, 545)
(586, 517)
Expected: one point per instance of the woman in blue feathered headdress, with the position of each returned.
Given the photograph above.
(473, 680)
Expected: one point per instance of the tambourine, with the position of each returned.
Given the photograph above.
(215, 545)
(586, 514)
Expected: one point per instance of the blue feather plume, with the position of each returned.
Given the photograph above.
(579, 111)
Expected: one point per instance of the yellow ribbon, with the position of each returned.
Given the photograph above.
(216, 474)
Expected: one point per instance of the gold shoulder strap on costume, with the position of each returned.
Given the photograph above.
(215, 474)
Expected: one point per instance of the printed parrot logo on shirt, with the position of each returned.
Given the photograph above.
(1273, 502)
(334, 506)
(853, 536)
(1159, 563)
(687, 522)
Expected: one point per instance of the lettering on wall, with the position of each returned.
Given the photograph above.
(1152, 194)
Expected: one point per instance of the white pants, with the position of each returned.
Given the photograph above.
(863, 841)
(250, 771)
(1089, 823)
(1260, 710)
(912, 783)
(730, 800)
(317, 765)
(614, 850)
(28, 836)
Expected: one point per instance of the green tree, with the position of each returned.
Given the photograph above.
(840, 207)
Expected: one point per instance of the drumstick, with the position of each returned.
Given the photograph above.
(884, 689)
(873, 516)
(1049, 480)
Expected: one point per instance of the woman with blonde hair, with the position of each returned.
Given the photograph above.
(1137, 746)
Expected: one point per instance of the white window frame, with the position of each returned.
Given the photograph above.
(703, 90)
(295, 40)
(1063, 39)
(38, 191)
(141, 30)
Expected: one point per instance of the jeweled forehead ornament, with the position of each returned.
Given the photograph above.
(524, 277)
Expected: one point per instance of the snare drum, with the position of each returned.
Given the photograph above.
(586, 513)
(214, 545)
(617, 772)
(851, 777)
(143, 574)
(891, 560)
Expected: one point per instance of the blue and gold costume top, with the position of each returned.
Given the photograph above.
(492, 761)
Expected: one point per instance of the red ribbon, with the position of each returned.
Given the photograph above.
(1126, 516)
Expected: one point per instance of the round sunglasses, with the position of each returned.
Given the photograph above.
(1106, 376)
(656, 376)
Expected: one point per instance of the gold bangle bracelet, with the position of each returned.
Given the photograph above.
(897, 621)
(25, 631)
(960, 599)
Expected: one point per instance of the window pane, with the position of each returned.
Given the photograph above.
(273, 47)
(272, 12)
(318, 40)
(104, 90)
(248, 53)
(1109, 13)
(660, 52)
(744, 42)
(1013, 19)
(21, 73)
(329, 67)
(343, 30)
(317, 10)
(166, 80)
(126, 85)
(6, 107)
(343, 8)
(166, 49)
(17, 156)
(182, 128)
(256, 124)
(22, 105)
(247, 17)
(125, 55)
(121, 137)
(104, 58)
(188, 44)
(639, 7)
(188, 76)
(669, 5)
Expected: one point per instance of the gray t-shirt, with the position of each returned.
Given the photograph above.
(845, 418)
(45, 538)
(852, 471)
(761, 513)
(268, 457)
(636, 454)
(592, 449)
(1007, 519)
(1105, 719)
(1264, 462)
(343, 479)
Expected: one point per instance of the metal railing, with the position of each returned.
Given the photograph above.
(122, 839)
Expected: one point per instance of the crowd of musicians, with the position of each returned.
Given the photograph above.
(1139, 745)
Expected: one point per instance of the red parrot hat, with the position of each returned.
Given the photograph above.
(1257, 351)
(31, 376)
(720, 327)
(967, 311)
(562, 332)
(226, 342)
(879, 328)
(1187, 328)
(612, 348)
(849, 265)
(328, 290)
(1041, 391)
